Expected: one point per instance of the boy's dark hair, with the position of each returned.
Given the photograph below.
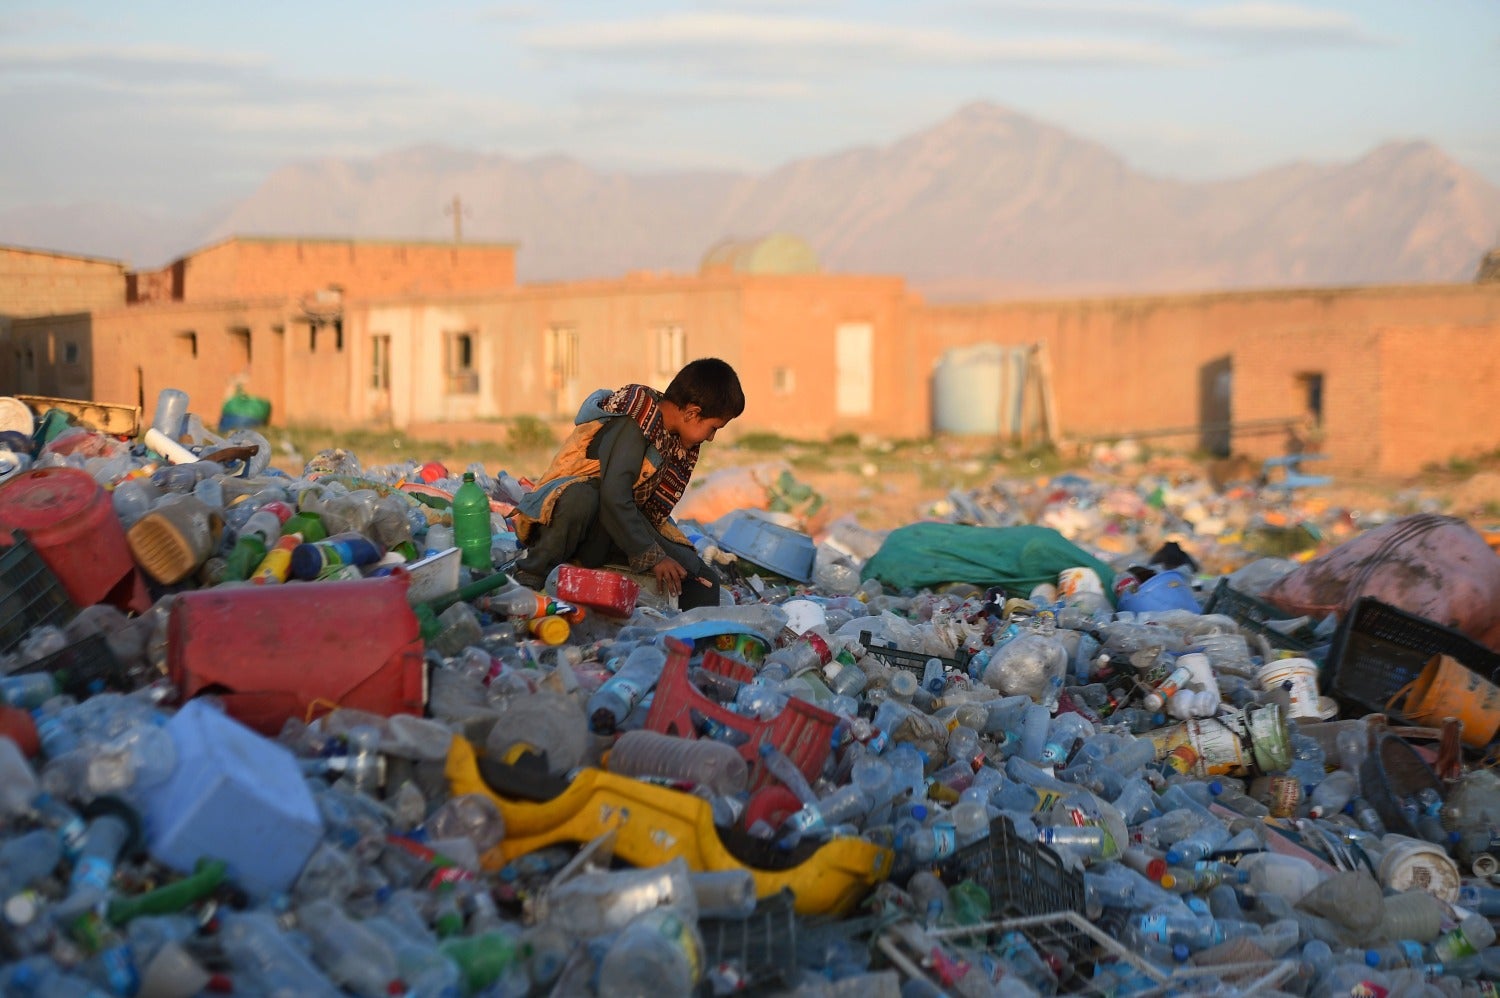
(711, 385)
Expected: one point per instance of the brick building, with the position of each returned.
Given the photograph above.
(355, 332)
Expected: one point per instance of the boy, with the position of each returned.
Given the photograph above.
(609, 493)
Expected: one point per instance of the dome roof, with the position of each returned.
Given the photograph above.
(778, 253)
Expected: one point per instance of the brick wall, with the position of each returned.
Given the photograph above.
(34, 282)
(247, 268)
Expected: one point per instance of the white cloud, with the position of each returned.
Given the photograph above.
(153, 61)
(1286, 23)
(716, 36)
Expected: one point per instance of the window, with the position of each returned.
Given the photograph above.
(338, 335)
(671, 350)
(783, 381)
(187, 344)
(380, 362)
(561, 356)
(70, 353)
(463, 379)
(239, 337)
(312, 337)
(1310, 387)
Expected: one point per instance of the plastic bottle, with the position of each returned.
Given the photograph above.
(351, 955)
(724, 893)
(471, 816)
(255, 944)
(1471, 936)
(1288, 877)
(1330, 796)
(614, 701)
(1412, 915)
(471, 525)
(311, 560)
(27, 858)
(519, 603)
(484, 959)
(929, 843)
(364, 771)
(1237, 800)
(110, 829)
(845, 804)
(658, 953)
(277, 563)
(1193, 931)
(706, 763)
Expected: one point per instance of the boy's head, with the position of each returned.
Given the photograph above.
(711, 385)
(703, 397)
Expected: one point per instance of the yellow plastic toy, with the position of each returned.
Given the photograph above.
(654, 825)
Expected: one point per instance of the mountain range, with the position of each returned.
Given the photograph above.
(988, 203)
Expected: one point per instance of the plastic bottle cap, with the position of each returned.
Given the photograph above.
(1174, 858)
(1372, 958)
(1215, 787)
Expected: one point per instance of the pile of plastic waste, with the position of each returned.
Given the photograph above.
(266, 734)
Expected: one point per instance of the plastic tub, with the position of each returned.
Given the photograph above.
(787, 552)
(608, 592)
(72, 524)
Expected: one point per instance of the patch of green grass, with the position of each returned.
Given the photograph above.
(762, 442)
(528, 433)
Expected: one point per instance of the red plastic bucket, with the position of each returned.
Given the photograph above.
(72, 525)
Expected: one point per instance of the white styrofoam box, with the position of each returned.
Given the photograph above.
(236, 796)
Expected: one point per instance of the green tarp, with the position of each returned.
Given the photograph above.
(1017, 558)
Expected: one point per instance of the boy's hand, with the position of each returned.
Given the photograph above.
(669, 575)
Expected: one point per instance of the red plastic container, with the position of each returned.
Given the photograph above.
(802, 731)
(607, 592)
(300, 649)
(70, 521)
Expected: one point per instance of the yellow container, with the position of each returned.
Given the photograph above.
(550, 630)
(654, 825)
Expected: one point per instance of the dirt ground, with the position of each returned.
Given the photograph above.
(885, 484)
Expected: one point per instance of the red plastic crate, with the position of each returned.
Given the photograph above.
(607, 592)
(802, 731)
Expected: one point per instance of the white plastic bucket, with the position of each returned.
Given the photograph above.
(1415, 865)
(1302, 674)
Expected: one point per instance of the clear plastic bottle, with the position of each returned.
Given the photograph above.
(1330, 796)
(785, 770)
(255, 945)
(929, 843)
(614, 701)
(706, 763)
(724, 893)
(1472, 935)
(350, 954)
(658, 953)
(470, 816)
(1289, 877)
(18, 781)
(846, 804)
(363, 773)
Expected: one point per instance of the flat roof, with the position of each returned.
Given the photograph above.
(59, 254)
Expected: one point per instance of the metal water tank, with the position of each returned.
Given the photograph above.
(968, 388)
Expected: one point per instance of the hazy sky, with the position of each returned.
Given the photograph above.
(178, 107)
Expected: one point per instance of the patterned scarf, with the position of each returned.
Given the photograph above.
(659, 494)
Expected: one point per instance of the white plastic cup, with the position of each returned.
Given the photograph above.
(1302, 673)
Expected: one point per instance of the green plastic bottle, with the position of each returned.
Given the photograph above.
(482, 958)
(471, 525)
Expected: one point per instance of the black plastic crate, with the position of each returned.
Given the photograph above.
(1379, 648)
(1252, 614)
(911, 661)
(83, 668)
(30, 595)
(1027, 878)
(762, 947)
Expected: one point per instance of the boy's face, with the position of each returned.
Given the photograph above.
(695, 429)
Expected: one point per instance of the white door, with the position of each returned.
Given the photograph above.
(854, 383)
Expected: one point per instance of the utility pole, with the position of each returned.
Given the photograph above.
(456, 209)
